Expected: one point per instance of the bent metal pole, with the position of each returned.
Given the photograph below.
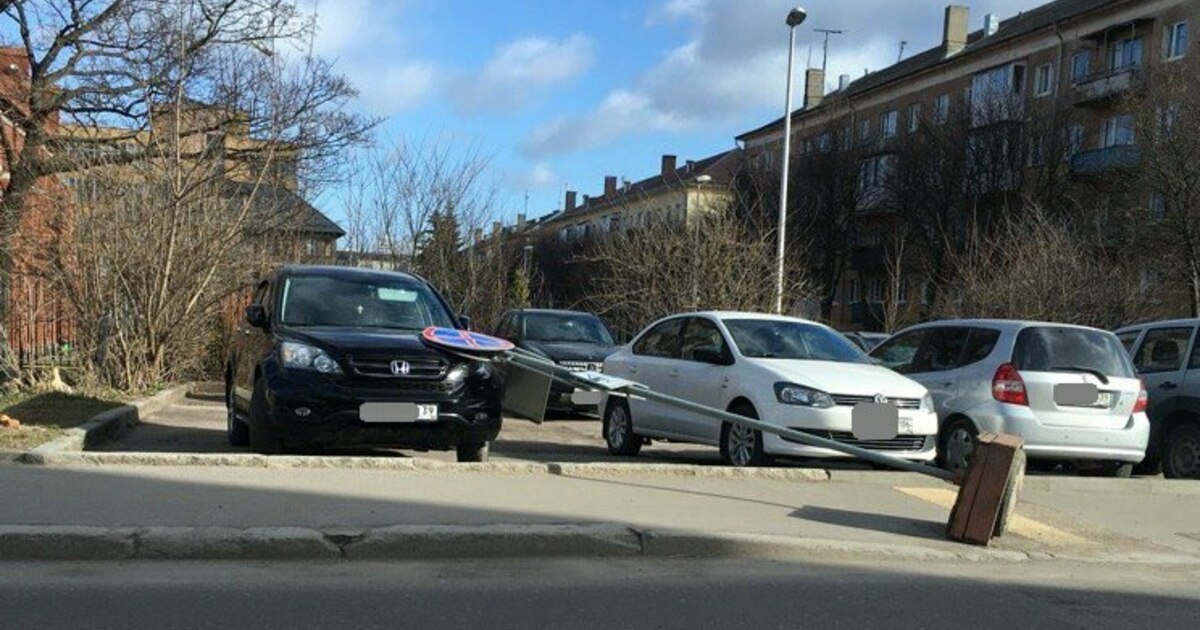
(617, 387)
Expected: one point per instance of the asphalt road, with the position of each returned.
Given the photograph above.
(595, 594)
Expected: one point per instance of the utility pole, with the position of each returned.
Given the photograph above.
(825, 52)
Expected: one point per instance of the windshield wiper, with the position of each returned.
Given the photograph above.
(1075, 368)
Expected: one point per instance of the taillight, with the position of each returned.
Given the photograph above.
(1007, 386)
(1143, 399)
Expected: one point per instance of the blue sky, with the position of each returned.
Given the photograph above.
(561, 93)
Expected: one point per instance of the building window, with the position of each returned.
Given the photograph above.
(1043, 82)
(864, 130)
(825, 142)
(1158, 207)
(902, 291)
(889, 123)
(1177, 35)
(996, 94)
(941, 109)
(1126, 53)
(854, 294)
(875, 290)
(914, 117)
(1074, 141)
(1118, 131)
(1081, 66)
(1168, 117)
(847, 138)
(1037, 152)
(873, 172)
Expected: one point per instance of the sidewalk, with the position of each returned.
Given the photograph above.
(454, 513)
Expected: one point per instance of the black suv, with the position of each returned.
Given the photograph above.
(333, 356)
(575, 340)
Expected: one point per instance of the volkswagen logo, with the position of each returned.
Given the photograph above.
(401, 368)
(880, 398)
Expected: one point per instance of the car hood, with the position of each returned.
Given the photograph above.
(360, 340)
(589, 352)
(856, 379)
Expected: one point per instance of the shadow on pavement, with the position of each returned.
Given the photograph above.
(873, 522)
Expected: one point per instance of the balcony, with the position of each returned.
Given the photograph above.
(1102, 161)
(867, 258)
(1099, 89)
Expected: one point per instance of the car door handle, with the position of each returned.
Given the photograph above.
(1168, 385)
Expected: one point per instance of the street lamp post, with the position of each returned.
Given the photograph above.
(795, 18)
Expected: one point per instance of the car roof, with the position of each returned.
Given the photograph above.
(336, 271)
(550, 311)
(750, 315)
(1165, 322)
(1002, 324)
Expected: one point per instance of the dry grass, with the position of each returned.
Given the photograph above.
(45, 415)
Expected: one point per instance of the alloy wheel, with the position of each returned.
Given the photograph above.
(959, 445)
(1185, 457)
(618, 424)
(741, 445)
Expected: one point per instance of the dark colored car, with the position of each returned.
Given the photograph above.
(575, 340)
(333, 356)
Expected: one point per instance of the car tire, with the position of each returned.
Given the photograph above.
(236, 430)
(1149, 467)
(618, 429)
(472, 453)
(262, 439)
(956, 443)
(1181, 452)
(741, 446)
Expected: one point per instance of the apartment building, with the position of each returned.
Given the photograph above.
(1068, 61)
(676, 194)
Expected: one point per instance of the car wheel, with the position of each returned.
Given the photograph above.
(957, 444)
(472, 453)
(618, 429)
(1149, 467)
(1181, 453)
(742, 446)
(236, 430)
(262, 439)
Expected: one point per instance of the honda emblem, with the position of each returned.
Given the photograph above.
(401, 368)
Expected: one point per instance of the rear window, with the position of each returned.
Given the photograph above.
(1062, 349)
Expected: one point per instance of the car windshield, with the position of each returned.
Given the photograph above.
(1063, 349)
(566, 328)
(368, 302)
(779, 339)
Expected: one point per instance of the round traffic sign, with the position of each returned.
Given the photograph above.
(464, 341)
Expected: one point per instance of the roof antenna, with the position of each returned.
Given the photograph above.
(825, 53)
(903, 45)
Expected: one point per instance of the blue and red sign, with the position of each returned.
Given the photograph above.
(464, 341)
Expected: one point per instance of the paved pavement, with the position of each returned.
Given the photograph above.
(596, 594)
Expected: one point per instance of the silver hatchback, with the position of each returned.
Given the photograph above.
(1025, 378)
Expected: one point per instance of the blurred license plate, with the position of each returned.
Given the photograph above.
(397, 412)
(904, 426)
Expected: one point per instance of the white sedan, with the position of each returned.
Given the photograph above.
(784, 371)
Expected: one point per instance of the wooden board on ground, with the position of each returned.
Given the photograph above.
(988, 489)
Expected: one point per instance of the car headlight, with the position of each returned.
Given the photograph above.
(927, 402)
(792, 394)
(457, 374)
(301, 356)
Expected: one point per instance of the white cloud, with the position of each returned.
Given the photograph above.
(520, 69)
(365, 38)
(735, 62)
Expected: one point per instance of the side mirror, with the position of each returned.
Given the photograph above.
(711, 355)
(256, 315)
(464, 322)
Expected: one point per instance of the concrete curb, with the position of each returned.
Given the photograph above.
(445, 542)
(106, 425)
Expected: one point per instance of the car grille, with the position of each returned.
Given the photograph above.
(847, 400)
(582, 366)
(424, 368)
(898, 443)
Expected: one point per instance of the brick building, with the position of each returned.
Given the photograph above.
(1046, 85)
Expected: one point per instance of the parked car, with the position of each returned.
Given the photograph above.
(333, 355)
(785, 371)
(1004, 376)
(866, 340)
(577, 341)
(1166, 356)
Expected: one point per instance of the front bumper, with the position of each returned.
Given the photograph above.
(1124, 444)
(835, 423)
(470, 414)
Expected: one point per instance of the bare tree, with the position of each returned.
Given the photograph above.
(715, 263)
